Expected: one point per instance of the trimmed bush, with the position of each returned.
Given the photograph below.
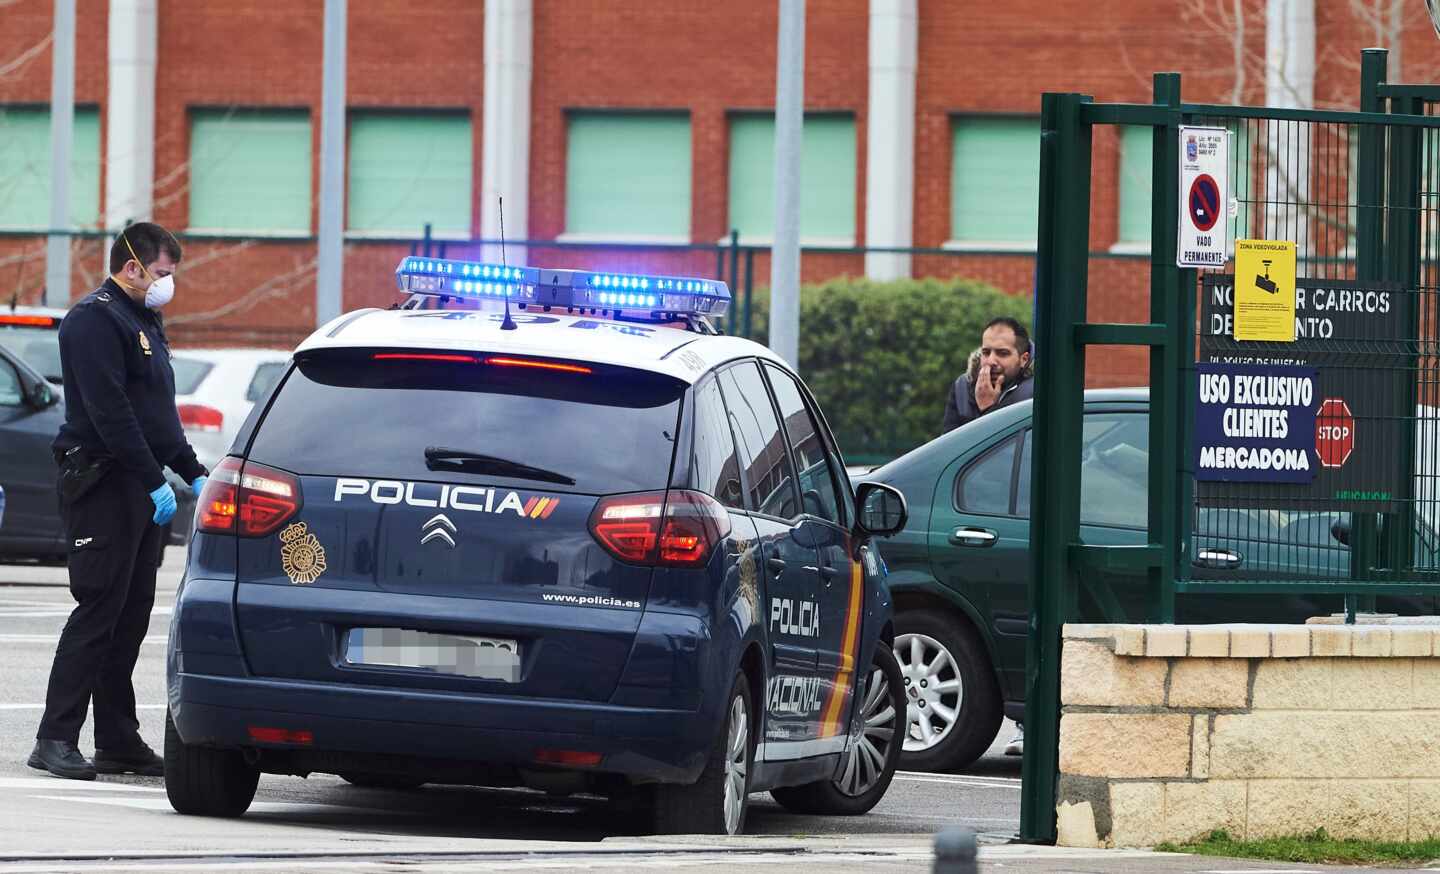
(881, 356)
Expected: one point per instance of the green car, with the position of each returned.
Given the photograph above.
(960, 571)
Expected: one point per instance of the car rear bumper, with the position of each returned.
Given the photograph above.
(645, 744)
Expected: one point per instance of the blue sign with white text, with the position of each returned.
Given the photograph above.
(1256, 423)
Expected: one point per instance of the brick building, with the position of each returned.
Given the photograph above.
(637, 121)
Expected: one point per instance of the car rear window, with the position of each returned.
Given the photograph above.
(189, 373)
(610, 430)
(266, 375)
(37, 347)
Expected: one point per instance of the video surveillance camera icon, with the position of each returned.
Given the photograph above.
(1265, 281)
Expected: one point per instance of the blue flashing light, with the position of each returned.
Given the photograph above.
(636, 296)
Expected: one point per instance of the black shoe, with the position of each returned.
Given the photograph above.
(61, 758)
(141, 760)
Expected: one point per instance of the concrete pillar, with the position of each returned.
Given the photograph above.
(130, 113)
(890, 137)
(789, 135)
(62, 135)
(1289, 83)
(330, 251)
(505, 136)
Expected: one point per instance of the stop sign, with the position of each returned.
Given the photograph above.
(1334, 432)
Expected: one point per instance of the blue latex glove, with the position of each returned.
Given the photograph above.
(198, 485)
(164, 498)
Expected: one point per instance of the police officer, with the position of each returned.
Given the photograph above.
(121, 427)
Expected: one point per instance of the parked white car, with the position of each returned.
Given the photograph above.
(215, 390)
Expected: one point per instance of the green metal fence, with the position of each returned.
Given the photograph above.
(1359, 194)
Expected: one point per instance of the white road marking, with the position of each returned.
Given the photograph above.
(936, 776)
(957, 781)
(11, 706)
(51, 784)
(48, 614)
(152, 640)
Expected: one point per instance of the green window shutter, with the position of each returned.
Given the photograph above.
(409, 169)
(995, 180)
(1136, 183)
(827, 178)
(628, 174)
(250, 171)
(25, 169)
(1241, 184)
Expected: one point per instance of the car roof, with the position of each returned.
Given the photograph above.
(684, 355)
(234, 354)
(58, 313)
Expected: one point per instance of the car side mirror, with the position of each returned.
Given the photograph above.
(1340, 530)
(880, 510)
(41, 396)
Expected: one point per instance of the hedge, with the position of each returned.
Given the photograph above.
(881, 356)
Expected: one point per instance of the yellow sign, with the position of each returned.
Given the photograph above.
(1265, 290)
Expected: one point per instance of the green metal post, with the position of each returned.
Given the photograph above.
(749, 292)
(1369, 264)
(1172, 304)
(1060, 288)
(1402, 264)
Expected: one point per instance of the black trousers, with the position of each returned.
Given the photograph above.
(114, 552)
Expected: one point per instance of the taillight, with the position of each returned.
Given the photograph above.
(216, 508)
(198, 417)
(674, 529)
(248, 499)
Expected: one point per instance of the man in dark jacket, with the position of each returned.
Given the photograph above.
(121, 427)
(1000, 377)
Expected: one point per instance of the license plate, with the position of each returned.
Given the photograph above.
(490, 658)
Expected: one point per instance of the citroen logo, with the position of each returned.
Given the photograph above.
(438, 528)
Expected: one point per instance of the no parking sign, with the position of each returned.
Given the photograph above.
(1204, 197)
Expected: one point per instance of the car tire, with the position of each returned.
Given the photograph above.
(382, 781)
(870, 763)
(964, 687)
(715, 804)
(201, 781)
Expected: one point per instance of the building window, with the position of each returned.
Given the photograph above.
(25, 168)
(250, 171)
(1137, 144)
(627, 174)
(408, 170)
(827, 179)
(995, 183)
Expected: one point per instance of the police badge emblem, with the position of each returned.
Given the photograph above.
(301, 554)
(144, 343)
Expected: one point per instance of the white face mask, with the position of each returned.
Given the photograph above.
(160, 292)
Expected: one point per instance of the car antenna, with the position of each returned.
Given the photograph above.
(509, 323)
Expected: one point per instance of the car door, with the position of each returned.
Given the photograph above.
(27, 467)
(980, 545)
(789, 562)
(834, 621)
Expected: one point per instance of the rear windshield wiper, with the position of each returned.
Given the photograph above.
(459, 458)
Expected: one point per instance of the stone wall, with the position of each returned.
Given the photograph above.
(1169, 732)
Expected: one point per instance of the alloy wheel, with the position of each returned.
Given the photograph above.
(865, 762)
(933, 690)
(736, 754)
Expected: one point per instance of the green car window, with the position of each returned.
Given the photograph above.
(1114, 470)
(985, 485)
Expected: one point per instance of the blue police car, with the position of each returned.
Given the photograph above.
(538, 528)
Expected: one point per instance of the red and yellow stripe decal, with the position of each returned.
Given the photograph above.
(541, 508)
(830, 723)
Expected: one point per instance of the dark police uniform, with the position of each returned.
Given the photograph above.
(121, 427)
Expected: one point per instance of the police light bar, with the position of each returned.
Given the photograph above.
(640, 296)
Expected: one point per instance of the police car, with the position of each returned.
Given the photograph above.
(540, 528)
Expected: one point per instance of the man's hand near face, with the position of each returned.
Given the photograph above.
(989, 384)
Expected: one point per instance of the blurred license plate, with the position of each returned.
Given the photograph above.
(491, 658)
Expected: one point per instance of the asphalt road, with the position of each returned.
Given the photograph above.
(322, 823)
